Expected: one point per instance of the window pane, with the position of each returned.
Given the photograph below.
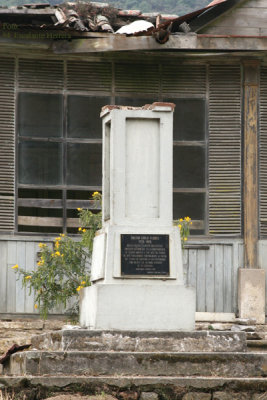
(189, 119)
(189, 204)
(84, 164)
(40, 115)
(188, 167)
(40, 163)
(84, 116)
(133, 101)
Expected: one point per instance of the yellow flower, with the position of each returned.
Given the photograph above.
(180, 226)
(187, 219)
(28, 277)
(185, 239)
(41, 245)
(57, 253)
(95, 194)
(78, 288)
(181, 219)
(35, 306)
(80, 229)
(62, 234)
(57, 239)
(190, 223)
(83, 283)
(84, 230)
(15, 266)
(79, 209)
(57, 245)
(52, 255)
(40, 263)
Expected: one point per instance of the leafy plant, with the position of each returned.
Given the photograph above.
(62, 270)
(184, 226)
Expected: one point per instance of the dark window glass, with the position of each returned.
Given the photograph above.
(84, 164)
(133, 101)
(188, 167)
(189, 119)
(189, 204)
(84, 116)
(40, 163)
(40, 115)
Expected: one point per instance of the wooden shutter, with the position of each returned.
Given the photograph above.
(263, 153)
(137, 78)
(225, 150)
(183, 80)
(7, 143)
(40, 74)
(89, 76)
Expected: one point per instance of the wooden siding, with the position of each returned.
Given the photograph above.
(15, 298)
(211, 267)
(225, 150)
(250, 18)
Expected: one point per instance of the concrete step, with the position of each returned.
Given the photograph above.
(101, 363)
(89, 340)
(167, 387)
(257, 345)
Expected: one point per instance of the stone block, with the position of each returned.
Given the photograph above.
(149, 396)
(197, 396)
(231, 396)
(251, 294)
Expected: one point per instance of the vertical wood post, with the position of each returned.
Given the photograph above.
(251, 97)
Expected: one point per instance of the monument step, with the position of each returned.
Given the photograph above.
(87, 340)
(170, 386)
(102, 363)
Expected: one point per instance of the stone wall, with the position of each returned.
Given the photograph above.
(20, 331)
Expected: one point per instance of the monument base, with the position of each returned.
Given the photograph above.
(138, 307)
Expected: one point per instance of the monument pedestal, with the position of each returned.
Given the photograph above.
(142, 307)
(137, 270)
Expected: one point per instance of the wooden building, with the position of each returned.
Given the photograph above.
(58, 67)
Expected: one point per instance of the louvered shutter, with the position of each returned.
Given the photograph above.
(263, 152)
(89, 76)
(225, 150)
(40, 74)
(7, 143)
(183, 80)
(137, 78)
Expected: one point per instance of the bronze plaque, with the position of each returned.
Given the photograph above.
(145, 255)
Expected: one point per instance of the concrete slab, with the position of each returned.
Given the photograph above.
(136, 363)
(251, 294)
(93, 340)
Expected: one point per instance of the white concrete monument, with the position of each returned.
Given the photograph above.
(137, 271)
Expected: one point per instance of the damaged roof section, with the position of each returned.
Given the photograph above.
(80, 16)
(94, 17)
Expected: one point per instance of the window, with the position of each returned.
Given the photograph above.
(59, 159)
(189, 161)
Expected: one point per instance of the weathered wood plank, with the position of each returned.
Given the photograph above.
(218, 278)
(227, 267)
(11, 277)
(192, 259)
(209, 281)
(30, 263)
(20, 292)
(3, 276)
(242, 31)
(243, 17)
(251, 85)
(201, 280)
